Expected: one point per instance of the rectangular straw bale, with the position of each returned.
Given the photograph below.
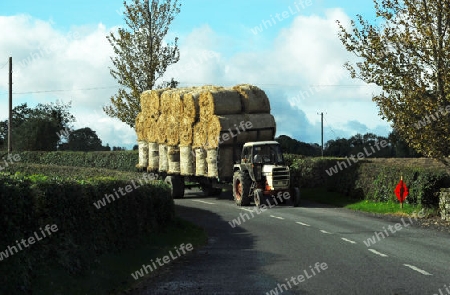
(173, 157)
(139, 126)
(187, 161)
(166, 97)
(253, 99)
(191, 106)
(150, 102)
(173, 130)
(219, 101)
(186, 131)
(161, 129)
(150, 126)
(153, 156)
(200, 134)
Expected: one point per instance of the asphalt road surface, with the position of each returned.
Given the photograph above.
(312, 249)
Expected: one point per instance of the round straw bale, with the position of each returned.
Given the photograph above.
(187, 161)
(253, 99)
(173, 155)
(153, 156)
(200, 162)
(211, 160)
(143, 154)
(219, 102)
(163, 160)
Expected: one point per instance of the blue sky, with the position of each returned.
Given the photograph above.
(289, 48)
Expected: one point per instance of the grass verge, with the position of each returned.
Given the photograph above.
(321, 195)
(113, 271)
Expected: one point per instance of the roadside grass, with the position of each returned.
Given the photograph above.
(321, 195)
(113, 271)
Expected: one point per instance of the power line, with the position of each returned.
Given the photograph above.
(66, 90)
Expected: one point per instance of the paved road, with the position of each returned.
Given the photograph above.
(312, 249)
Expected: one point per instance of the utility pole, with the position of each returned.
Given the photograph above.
(321, 121)
(10, 106)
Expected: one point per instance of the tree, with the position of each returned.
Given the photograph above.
(83, 139)
(141, 55)
(408, 57)
(37, 129)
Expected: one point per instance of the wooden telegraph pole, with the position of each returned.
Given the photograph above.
(10, 107)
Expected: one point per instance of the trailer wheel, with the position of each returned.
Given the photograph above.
(176, 184)
(241, 188)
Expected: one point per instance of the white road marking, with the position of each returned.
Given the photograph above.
(347, 240)
(418, 269)
(303, 223)
(249, 210)
(276, 217)
(200, 201)
(324, 231)
(378, 253)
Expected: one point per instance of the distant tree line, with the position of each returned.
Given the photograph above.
(47, 128)
(345, 147)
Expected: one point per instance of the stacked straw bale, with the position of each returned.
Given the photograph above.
(200, 130)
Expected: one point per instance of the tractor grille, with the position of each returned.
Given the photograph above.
(280, 177)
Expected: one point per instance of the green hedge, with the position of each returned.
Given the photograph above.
(370, 180)
(117, 160)
(31, 201)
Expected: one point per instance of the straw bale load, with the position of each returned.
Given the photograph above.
(199, 131)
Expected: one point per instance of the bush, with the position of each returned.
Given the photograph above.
(29, 201)
(117, 160)
(371, 180)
